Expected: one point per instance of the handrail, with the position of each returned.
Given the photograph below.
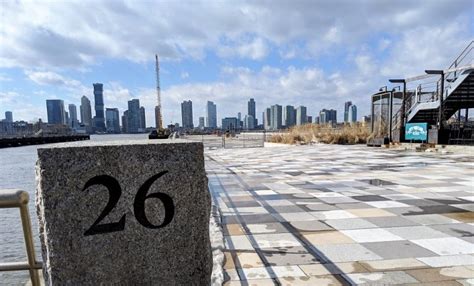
(463, 53)
(19, 199)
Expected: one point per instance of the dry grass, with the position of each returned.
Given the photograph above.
(315, 133)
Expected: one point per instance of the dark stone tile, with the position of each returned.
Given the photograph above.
(242, 204)
(398, 249)
(370, 198)
(377, 182)
(287, 209)
(263, 218)
(288, 256)
(420, 203)
(295, 173)
(435, 210)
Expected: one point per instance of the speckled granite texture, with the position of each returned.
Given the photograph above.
(176, 254)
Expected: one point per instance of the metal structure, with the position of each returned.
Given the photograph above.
(229, 141)
(158, 94)
(434, 98)
(19, 199)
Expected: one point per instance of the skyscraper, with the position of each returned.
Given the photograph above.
(347, 106)
(289, 116)
(55, 109)
(211, 115)
(268, 119)
(99, 119)
(353, 113)
(142, 119)
(230, 124)
(249, 122)
(133, 119)
(8, 116)
(301, 117)
(276, 117)
(328, 116)
(201, 122)
(112, 120)
(252, 111)
(187, 114)
(73, 116)
(86, 113)
(125, 122)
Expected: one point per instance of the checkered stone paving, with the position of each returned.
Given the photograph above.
(342, 215)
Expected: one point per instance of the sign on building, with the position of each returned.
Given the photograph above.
(416, 131)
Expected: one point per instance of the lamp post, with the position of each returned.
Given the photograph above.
(402, 111)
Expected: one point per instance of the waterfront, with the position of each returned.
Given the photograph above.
(345, 215)
(17, 170)
(315, 213)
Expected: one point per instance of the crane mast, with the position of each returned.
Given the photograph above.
(159, 116)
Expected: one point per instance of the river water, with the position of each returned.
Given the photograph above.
(17, 171)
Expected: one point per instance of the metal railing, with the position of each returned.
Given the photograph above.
(229, 141)
(19, 199)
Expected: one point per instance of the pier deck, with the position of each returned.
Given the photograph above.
(339, 215)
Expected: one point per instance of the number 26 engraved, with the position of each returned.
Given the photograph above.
(115, 191)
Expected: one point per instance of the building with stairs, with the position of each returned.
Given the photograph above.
(439, 98)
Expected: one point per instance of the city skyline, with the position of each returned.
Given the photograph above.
(313, 58)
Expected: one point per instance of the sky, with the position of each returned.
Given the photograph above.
(313, 53)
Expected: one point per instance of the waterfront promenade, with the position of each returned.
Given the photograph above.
(339, 215)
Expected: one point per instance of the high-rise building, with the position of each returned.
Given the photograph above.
(86, 113)
(55, 109)
(301, 117)
(8, 116)
(249, 122)
(133, 119)
(310, 119)
(353, 113)
(99, 119)
(125, 122)
(276, 117)
(289, 116)
(211, 115)
(267, 119)
(187, 114)
(230, 123)
(316, 120)
(347, 106)
(112, 120)
(142, 119)
(201, 122)
(73, 116)
(328, 116)
(251, 110)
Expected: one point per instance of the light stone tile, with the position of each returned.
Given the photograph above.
(392, 264)
(332, 268)
(299, 216)
(387, 204)
(239, 242)
(350, 223)
(275, 240)
(327, 237)
(270, 272)
(347, 252)
(336, 214)
(324, 280)
(416, 232)
(370, 212)
(381, 278)
(448, 260)
(431, 219)
(370, 235)
(446, 246)
(248, 260)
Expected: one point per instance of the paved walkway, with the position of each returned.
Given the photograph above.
(340, 215)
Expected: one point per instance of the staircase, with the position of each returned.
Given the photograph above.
(458, 92)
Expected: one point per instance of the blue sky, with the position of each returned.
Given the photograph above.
(313, 53)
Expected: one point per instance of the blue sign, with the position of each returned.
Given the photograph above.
(416, 131)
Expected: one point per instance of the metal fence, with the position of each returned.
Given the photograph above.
(229, 141)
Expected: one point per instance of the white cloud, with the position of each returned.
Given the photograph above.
(184, 75)
(80, 33)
